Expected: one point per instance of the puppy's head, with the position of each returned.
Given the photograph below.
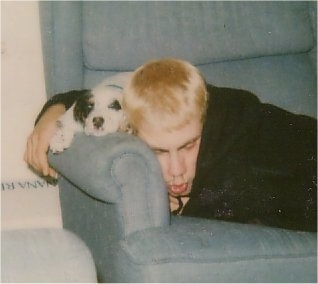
(100, 111)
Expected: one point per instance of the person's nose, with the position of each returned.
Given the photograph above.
(176, 164)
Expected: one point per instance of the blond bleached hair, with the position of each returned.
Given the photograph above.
(168, 93)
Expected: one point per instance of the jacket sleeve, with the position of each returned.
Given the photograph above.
(67, 99)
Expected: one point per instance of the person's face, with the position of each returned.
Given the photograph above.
(177, 152)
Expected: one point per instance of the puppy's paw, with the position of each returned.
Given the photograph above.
(62, 138)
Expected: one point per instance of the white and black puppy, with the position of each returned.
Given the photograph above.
(95, 112)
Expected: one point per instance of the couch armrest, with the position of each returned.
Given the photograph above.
(121, 169)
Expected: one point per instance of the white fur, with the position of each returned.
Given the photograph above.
(103, 95)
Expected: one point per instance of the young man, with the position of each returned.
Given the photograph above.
(223, 154)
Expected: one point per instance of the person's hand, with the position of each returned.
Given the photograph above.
(35, 154)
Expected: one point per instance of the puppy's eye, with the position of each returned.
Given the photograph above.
(89, 106)
(115, 105)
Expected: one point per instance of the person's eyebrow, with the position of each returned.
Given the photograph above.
(155, 149)
(158, 149)
(193, 140)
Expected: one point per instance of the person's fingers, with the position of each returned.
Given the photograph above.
(34, 158)
(40, 156)
(26, 153)
(38, 141)
(35, 154)
(52, 173)
(29, 158)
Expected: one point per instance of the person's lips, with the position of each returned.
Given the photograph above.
(178, 189)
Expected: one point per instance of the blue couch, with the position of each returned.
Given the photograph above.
(45, 255)
(112, 193)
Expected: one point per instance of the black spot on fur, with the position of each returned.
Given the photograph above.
(83, 106)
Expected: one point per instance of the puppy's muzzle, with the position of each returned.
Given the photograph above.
(98, 122)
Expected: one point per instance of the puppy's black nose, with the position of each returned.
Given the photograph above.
(98, 122)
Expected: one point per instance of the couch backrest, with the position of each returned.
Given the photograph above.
(118, 36)
(260, 46)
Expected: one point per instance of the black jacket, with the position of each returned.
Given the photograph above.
(256, 164)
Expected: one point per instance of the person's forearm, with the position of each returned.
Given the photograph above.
(52, 113)
(63, 99)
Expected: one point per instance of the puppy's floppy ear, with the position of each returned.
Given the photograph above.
(83, 106)
(67, 98)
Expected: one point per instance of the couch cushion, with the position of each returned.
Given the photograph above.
(287, 81)
(45, 255)
(122, 35)
(218, 244)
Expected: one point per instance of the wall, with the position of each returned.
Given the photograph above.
(27, 201)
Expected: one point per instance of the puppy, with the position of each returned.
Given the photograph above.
(95, 112)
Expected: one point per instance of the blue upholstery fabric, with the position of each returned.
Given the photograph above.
(136, 242)
(124, 162)
(230, 252)
(267, 77)
(45, 255)
(206, 240)
(112, 193)
(254, 46)
(201, 32)
(61, 28)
